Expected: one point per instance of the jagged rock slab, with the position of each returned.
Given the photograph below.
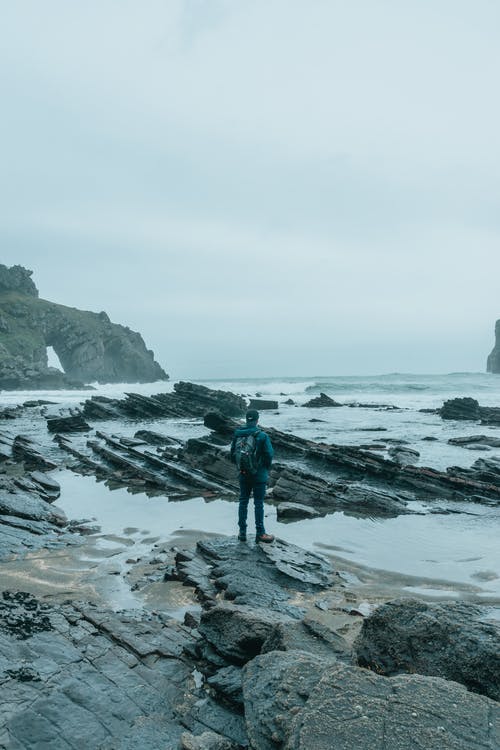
(73, 423)
(23, 505)
(305, 488)
(156, 438)
(128, 454)
(25, 450)
(296, 702)
(265, 575)
(321, 401)
(187, 400)
(48, 485)
(445, 640)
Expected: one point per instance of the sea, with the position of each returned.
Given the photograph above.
(448, 550)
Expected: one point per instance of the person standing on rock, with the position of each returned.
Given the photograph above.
(252, 452)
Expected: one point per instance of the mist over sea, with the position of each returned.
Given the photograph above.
(447, 554)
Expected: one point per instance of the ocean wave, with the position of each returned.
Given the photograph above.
(372, 386)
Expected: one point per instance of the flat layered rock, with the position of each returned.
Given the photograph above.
(80, 676)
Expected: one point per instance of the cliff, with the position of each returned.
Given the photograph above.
(90, 347)
(493, 363)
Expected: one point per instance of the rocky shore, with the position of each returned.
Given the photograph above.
(276, 648)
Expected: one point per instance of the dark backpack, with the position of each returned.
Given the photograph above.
(245, 453)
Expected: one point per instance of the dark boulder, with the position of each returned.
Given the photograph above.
(460, 408)
(452, 641)
(237, 633)
(469, 408)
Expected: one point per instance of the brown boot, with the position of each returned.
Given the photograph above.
(264, 538)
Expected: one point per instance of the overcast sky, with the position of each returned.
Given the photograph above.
(260, 187)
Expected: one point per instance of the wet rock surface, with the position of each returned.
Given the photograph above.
(297, 703)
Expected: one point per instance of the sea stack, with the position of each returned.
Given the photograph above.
(493, 363)
(90, 347)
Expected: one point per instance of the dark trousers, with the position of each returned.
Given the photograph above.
(248, 484)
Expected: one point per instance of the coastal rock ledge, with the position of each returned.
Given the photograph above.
(493, 363)
(90, 347)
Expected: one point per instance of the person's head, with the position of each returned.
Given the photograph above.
(252, 417)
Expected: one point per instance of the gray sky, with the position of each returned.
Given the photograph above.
(260, 187)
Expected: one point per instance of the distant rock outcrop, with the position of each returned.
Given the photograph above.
(493, 363)
(90, 347)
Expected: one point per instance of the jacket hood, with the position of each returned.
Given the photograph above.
(242, 431)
